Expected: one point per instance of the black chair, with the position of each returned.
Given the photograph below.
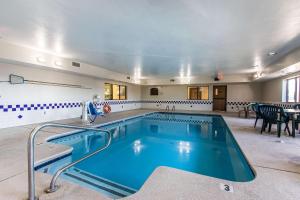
(297, 121)
(274, 115)
(254, 107)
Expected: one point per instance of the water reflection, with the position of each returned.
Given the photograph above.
(184, 147)
(137, 146)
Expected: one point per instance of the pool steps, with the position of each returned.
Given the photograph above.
(111, 189)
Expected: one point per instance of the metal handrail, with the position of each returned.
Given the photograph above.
(173, 108)
(167, 108)
(30, 151)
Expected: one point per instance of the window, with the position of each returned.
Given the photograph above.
(115, 92)
(107, 91)
(123, 92)
(198, 93)
(291, 90)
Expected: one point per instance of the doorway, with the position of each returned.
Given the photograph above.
(219, 97)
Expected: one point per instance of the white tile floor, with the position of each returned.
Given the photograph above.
(276, 163)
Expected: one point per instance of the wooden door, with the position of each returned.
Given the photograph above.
(219, 97)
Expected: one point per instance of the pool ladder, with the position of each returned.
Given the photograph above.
(168, 108)
(30, 150)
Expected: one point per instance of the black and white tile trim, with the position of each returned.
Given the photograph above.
(172, 118)
(245, 103)
(117, 102)
(179, 102)
(237, 103)
(28, 107)
(51, 106)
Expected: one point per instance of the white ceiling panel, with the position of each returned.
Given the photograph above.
(157, 38)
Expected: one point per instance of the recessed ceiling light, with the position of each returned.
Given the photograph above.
(272, 53)
(41, 59)
(58, 63)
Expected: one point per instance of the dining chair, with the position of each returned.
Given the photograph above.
(258, 116)
(272, 114)
(297, 121)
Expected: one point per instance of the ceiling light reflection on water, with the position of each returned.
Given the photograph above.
(184, 147)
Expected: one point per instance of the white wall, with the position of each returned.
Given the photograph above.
(272, 89)
(14, 98)
(238, 95)
(172, 95)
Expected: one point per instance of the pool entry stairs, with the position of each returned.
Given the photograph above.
(107, 187)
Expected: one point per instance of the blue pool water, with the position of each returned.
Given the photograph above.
(201, 144)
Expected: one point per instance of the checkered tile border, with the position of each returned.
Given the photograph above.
(28, 107)
(180, 102)
(117, 102)
(284, 105)
(173, 119)
(51, 106)
(235, 103)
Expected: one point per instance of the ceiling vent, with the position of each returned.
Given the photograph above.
(75, 64)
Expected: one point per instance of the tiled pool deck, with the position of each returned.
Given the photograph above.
(276, 162)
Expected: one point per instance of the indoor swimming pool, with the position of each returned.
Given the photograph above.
(201, 144)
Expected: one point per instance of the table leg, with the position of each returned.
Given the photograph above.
(278, 129)
(293, 125)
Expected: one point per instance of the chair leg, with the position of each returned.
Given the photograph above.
(262, 126)
(265, 126)
(287, 128)
(255, 122)
(278, 129)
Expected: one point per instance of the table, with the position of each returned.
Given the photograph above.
(293, 113)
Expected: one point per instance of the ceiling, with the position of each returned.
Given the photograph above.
(163, 38)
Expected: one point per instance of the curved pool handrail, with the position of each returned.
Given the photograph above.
(30, 151)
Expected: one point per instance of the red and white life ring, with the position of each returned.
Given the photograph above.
(106, 108)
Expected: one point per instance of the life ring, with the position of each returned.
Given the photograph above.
(106, 108)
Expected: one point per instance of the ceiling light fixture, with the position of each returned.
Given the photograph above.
(41, 59)
(272, 53)
(58, 63)
(258, 75)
